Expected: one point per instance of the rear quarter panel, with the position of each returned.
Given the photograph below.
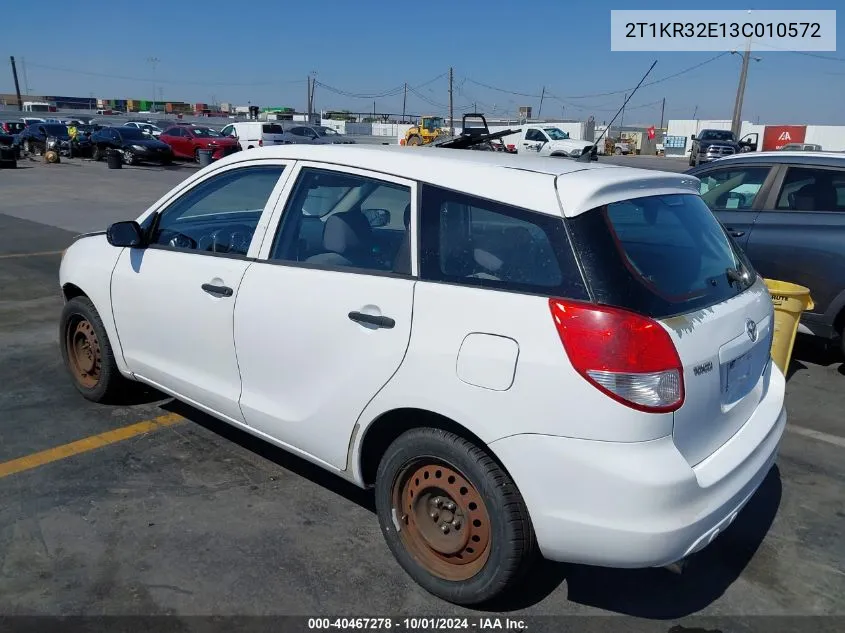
(546, 396)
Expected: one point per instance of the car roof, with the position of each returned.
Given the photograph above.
(523, 181)
(784, 156)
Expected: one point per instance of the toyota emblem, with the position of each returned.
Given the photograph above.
(751, 330)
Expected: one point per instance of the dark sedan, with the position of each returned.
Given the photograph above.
(8, 150)
(787, 211)
(33, 139)
(132, 144)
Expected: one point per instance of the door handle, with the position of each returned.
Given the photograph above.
(372, 319)
(218, 291)
(736, 233)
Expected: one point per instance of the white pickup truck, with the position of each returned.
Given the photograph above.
(544, 140)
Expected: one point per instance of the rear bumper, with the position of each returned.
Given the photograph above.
(639, 504)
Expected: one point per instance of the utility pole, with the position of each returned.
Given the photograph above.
(662, 108)
(154, 61)
(451, 104)
(374, 108)
(404, 101)
(694, 112)
(622, 119)
(17, 85)
(308, 98)
(542, 96)
(736, 123)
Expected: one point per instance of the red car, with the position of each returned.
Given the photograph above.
(187, 140)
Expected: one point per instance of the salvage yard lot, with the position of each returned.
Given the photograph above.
(194, 517)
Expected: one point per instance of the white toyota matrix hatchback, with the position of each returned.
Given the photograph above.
(517, 354)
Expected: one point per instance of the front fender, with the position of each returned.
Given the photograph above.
(88, 264)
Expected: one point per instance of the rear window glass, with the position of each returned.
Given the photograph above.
(475, 241)
(659, 255)
(272, 128)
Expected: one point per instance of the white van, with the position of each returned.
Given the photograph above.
(255, 133)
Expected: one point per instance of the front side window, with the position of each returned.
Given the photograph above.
(535, 135)
(732, 189)
(220, 214)
(478, 242)
(343, 220)
(659, 255)
(812, 189)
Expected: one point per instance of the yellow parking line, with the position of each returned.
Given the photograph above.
(41, 254)
(87, 444)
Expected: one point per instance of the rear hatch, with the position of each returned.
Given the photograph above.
(272, 134)
(668, 258)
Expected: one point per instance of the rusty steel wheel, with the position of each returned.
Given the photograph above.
(445, 523)
(85, 358)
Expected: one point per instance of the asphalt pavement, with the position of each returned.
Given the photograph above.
(196, 517)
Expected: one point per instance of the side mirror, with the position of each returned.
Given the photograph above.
(692, 137)
(377, 217)
(125, 234)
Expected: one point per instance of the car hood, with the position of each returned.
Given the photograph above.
(149, 143)
(219, 141)
(733, 144)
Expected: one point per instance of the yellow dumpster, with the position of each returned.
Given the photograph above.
(790, 300)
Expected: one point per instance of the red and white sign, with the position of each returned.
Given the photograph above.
(776, 136)
(650, 133)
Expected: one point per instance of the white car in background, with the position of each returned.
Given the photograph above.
(436, 325)
(252, 134)
(147, 128)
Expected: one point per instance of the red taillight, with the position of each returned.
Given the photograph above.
(629, 357)
(261, 142)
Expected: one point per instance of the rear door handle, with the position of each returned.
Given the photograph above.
(218, 291)
(372, 319)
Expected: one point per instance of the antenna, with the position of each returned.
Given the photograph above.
(586, 157)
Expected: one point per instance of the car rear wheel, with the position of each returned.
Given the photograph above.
(87, 353)
(452, 516)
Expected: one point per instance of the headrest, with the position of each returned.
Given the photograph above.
(345, 232)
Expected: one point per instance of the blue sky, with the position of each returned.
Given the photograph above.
(238, 52)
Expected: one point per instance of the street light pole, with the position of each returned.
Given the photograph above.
(154, 61)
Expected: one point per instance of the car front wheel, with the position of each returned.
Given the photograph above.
(87, 353)
(452, 517)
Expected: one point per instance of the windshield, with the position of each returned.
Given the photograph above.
(432, 123)
(716, 135)
(132, 134)
(55, 129)
(659, 255)
(205, 132)
(556, 134)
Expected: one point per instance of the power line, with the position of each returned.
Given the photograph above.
(602, 94)
(76, 71)
(387, 93)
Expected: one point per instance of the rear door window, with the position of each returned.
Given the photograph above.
(272, 128)
(732, 189)
(659, 255)
(478, 242)
(812, 189)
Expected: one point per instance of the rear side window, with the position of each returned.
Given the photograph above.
(812, 189)
(272, 128)
(478, 242)
(659, 255)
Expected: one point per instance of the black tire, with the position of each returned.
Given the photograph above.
(691, 161)
(509, 543)
(196, 156)
(104, 383)
(415, 140)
